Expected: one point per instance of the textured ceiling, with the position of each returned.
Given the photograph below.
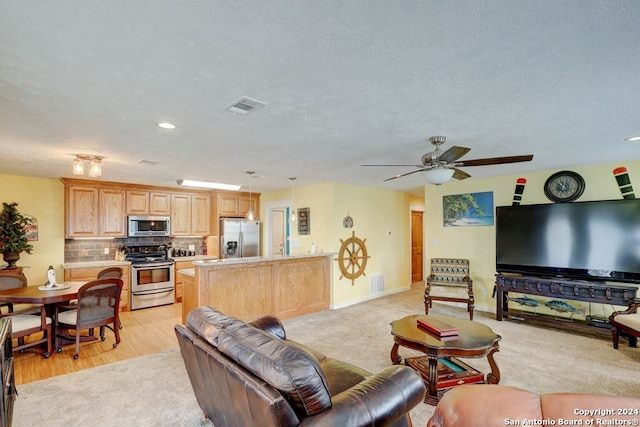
(345, 82)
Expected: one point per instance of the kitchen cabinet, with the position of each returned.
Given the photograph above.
(94, 212)
(91, 273)
(190, 214)
(236, 204)
(111, 213)
(141, 202)
(179, 278)
(81, 211)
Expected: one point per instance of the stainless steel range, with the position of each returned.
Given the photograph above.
(152, 276)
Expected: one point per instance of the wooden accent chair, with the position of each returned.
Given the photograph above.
(627, 321)
(449, 281)
(98, 306)
(11, 279)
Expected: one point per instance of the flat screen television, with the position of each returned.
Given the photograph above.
(582, 240)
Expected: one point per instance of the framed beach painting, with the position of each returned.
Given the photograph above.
(469, 209)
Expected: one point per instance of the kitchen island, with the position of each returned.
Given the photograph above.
(283, 286)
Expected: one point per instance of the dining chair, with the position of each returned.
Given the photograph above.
(97, 307)
(449, 281)
(11, 279)
(114, 273)
(27, 322)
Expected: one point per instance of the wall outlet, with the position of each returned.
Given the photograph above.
(106, 251)
(434, 242)
(192, 247)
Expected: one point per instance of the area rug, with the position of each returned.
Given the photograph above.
(154, 390)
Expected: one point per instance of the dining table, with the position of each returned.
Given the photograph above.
(64, 292)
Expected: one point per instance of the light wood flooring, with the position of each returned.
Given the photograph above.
(144, 332)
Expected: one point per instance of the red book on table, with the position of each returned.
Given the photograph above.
(437, 327)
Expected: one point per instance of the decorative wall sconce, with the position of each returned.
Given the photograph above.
(95, 165)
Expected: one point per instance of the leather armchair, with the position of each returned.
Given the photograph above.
(249, 374)
(482, 405)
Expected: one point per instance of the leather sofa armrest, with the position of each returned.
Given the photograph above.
(270, 324)
(380, 399)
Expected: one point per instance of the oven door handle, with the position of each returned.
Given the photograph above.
(151, 266)
(153, 292)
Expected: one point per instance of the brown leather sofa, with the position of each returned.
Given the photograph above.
(249, 374)
(483, 405)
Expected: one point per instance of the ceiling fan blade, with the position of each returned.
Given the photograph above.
(403, 166)
(460, 174)
(405, 174)
(453, 154)
(495, 160)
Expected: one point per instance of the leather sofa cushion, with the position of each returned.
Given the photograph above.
(207, 322)
(291, 370)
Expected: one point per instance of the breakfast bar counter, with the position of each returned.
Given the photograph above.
(283, 286)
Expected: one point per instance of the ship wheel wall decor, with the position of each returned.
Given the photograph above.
(352, 257)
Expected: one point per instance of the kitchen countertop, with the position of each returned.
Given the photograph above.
(259, 259)
(194, 258)
(191, 272)
(90, 264)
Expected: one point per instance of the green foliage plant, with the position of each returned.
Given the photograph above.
(13, 230)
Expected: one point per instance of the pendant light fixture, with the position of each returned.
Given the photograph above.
(95, 165)
(251, 216)
(292, 218)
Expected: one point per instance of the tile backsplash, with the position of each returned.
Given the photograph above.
(80, 250)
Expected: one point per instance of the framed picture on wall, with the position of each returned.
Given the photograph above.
(469, 209)
(304, 221)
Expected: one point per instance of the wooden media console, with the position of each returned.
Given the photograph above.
(560, 289)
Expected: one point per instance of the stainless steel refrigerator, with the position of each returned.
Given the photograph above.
(239, 238)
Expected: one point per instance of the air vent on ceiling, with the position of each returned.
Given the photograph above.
(245, 105)
(148, 162)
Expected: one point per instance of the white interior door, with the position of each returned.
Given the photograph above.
(278, 232)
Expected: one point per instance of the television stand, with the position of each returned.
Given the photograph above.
(560, 289)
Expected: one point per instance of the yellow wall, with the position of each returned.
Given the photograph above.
(375, 212)
(42, 198)
(478, 243)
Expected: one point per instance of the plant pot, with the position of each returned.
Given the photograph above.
(11, 258)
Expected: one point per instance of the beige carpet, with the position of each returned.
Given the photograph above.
(155, 391)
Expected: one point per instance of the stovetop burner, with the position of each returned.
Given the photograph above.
(151, 253)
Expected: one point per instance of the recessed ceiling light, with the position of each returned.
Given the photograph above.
(166, 125)
(633, 138)
(207, 184)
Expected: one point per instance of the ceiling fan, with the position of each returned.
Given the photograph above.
(440, 166)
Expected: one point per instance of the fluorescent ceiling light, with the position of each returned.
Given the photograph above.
(166, 125)
(206, 184)
(633, 138)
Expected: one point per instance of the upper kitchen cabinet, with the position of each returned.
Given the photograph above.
(236, 204)
(148, 203)
(94, 212)
(190, 214)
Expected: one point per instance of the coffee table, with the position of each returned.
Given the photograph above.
(473, 341)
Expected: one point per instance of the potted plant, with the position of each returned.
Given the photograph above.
(13, 234)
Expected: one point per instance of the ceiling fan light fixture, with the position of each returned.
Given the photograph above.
(438, 175)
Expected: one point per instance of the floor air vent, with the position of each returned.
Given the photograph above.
(245, 105)
(376, 283)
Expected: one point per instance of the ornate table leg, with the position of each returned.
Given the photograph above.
(396, 359)
(494, 376)
(432, 393)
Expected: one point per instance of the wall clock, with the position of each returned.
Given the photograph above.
(564, 186)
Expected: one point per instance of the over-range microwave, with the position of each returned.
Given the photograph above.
(142, 226)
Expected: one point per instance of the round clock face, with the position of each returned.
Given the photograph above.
(564, 186)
